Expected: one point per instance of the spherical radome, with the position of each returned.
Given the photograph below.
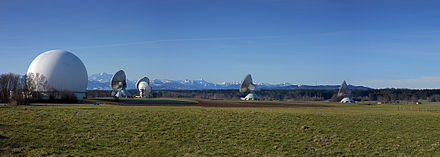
(62, 70)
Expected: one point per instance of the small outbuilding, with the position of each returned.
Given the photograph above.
(250, 96)
(347, 100)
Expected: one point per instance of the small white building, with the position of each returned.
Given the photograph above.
(250, 96)
(347, 100)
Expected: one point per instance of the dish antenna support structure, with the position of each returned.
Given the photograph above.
(118, 83)
(143, 85)
(248, 86)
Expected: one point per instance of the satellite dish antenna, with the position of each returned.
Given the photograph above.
(345, 93)
(118, 83)
(143, 85)
(248, 86)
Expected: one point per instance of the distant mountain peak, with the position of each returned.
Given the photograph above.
(101, 81)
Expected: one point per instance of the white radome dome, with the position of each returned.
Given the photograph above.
(62, 70)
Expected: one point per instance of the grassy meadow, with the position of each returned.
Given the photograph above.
(109, 130)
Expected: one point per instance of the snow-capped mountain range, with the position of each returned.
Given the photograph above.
(101, 81)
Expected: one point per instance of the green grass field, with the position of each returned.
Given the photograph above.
(343, 130)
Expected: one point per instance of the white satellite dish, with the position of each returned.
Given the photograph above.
(247, 85)
(345, 92)
(118, 83)
(143, 85)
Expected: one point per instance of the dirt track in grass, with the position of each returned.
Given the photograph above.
(231, 103)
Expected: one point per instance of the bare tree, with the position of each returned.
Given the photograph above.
(18, 95)
(36, 83)
(12, 89)
(9, 85)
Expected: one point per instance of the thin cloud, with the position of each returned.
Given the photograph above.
(338, 33)
(426, 82)
(171, 40)
(426, 34)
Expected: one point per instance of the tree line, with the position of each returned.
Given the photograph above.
(17, 89)
(397, 95)
(20, 90)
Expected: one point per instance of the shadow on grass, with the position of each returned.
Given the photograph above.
(142, 101)
(156, 102)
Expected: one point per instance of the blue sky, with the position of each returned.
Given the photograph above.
(378, 44)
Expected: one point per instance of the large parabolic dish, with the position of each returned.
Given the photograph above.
(118, 83)
(118, 80)
(144, 79)
(345, 92)
(247, 85)
(143, 85)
